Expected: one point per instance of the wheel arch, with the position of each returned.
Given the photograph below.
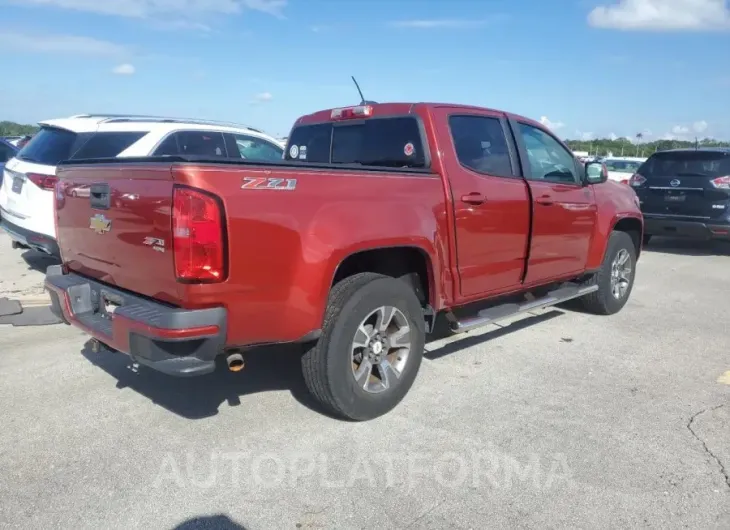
(396, 260)
(631, 224)
(634, 227)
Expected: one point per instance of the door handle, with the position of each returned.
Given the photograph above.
(99, 196)
(545, 200)
(473, 198)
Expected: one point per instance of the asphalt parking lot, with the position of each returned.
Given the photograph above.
(558, 420)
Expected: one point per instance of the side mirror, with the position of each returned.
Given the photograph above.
(596, 173)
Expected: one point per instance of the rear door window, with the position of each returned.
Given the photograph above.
(52, 145)
(383, 142)
(107, 144)
(687, 164)
(481, 145)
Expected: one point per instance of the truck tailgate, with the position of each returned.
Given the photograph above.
(114, 224)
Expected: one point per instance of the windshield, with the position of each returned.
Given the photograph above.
(622, 166)
(687, 164)
(384, 142)
(50, 146)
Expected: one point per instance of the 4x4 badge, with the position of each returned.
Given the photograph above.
(100, 224)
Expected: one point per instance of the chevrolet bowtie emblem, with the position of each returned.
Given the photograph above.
(100, 224)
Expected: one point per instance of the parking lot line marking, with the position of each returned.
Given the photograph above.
(724, 378)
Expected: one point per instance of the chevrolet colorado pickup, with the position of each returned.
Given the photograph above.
(379, 218)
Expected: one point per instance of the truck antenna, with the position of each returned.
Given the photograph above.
(363, 101)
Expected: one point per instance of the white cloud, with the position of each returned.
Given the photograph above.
(553, 125)
(147, 8)
(686, 132)
(662, 15)
(613, 136)
(263, 97)
(124, 69)
(585, 136)
(445, 23)
(62, 44)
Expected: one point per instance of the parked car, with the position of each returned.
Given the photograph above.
(26, 202)
(7, 151)
(380, 218)
(22, 142)
(685, 193)
(621, 168)
(13, 140)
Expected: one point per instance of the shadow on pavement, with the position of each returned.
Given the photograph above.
(267, 369)
(210, 522)
(687, 247)
(38, 261)
(469, 341)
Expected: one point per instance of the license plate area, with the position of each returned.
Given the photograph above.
(675, 196)
(17, 186)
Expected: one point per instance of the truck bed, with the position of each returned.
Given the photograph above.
(282, 242)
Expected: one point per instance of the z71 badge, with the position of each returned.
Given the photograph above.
(263, 183)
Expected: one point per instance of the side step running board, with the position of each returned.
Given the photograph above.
(500, 312)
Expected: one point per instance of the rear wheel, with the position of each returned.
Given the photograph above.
(371, 347)
(615, 280)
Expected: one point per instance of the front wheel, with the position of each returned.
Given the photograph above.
(371, 347)
(615, 279)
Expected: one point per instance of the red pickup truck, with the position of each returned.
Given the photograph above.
(380, 218)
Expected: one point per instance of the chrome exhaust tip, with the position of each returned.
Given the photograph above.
(235, 362)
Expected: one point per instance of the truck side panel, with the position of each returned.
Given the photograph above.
(286, 244)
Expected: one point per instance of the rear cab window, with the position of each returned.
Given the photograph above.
(379, 141)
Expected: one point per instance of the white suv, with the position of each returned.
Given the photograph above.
(26, 195)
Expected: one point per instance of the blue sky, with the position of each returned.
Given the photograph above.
(586, 67)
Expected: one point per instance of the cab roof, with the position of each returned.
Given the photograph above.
(404, 108)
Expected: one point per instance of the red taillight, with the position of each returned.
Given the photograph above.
(722, 183)
(197, 236)
(361, 111)
(636, 180)
(44, 182)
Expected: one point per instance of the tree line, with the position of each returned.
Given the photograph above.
(625, 147)
(10, 128)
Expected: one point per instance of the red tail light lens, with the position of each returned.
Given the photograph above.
(636, 180)
(722, 183)
(44, 182)
(197, 236)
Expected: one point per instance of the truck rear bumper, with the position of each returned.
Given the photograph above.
(660, 226)
(170, 340)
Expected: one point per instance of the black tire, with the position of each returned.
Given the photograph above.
(645, 240)
(327, 365)
(602, 301)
